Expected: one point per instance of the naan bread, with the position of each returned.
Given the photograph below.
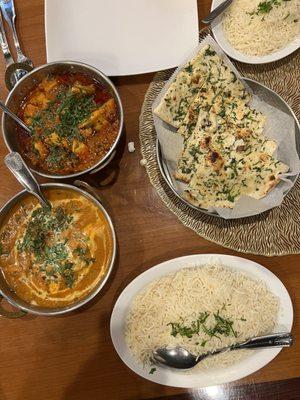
(256, 176)
(223, 165)
(225, 154)
(205, 68)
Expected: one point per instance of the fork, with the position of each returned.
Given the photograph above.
(9, 13)
(5, 49)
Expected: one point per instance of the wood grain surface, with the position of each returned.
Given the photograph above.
(72, 357)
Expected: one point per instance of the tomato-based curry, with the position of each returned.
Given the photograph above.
(52, 258)
(74, 122)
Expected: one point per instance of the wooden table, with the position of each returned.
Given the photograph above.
(72, 357)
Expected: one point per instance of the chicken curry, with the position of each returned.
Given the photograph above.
(74, 122)
(53, 258)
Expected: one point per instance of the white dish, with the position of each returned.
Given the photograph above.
(168, 377)
(218, 33)
(121, 37)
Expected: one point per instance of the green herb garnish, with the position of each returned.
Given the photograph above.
(152, 370)
(62, 116)
(83, 254)
(222, 326)
(189, 68)
(209, 52)
(72, 110)
(52, 257)
(264, 7)
(188, 331)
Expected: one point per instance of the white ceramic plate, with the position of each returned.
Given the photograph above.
(254, 362)
(232, 52)
(121, 37)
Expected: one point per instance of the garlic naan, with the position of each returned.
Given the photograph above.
(225, 153)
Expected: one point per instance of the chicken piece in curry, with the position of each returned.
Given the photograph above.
(74, 122)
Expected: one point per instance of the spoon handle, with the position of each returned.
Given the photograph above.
(14, 117)
(19, 169)
(274, 340)
(216, 12)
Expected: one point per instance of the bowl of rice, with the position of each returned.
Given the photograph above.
(202, 303)
(258, 32)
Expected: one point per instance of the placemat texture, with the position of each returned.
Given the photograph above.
(273, 233)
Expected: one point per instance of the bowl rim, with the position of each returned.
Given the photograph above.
(108, 82)
(47, 311)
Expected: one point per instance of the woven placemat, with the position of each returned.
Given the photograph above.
(273, 233)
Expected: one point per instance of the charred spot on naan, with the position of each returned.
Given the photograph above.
(215, 160)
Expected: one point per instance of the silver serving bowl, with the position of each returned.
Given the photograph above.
(266, 94)
(16, 301)
(29, 82)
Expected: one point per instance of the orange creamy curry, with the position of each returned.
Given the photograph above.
(53, 258)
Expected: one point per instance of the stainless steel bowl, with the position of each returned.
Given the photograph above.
(29, 82)
(266, 94)
(11, 296)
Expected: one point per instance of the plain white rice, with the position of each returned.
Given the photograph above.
(264, 33)
(190, 291)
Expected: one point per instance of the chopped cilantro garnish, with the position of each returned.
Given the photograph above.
(264, 7)
(221, 326)
(52, 256)
(152, 370)
(189, 68)
(209, 52)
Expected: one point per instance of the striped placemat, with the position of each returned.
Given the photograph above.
(275, 232)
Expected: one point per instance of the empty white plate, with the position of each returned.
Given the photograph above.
(121, 37)
(237, 55)
(216, 376)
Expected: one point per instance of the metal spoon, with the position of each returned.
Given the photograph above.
(14, 117)
(180, 358)
(19, 169)
(9, 13)
(217, 11)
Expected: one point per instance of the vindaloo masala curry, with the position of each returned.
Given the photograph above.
(74, 122)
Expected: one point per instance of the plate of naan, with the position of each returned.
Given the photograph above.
(226, 157)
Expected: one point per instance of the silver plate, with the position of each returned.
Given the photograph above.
(270, 97)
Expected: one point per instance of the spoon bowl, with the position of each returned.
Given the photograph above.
(175, 357)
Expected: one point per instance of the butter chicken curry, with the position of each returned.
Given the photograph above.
(52, 258)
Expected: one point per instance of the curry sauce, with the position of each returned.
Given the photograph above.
(52, 258)
(74, 122)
